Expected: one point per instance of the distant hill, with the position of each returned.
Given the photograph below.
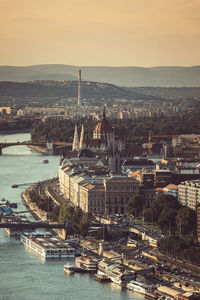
(65, 89)
(121, 76)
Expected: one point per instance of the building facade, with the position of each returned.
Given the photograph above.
(189, 193)
(198, 223)
(118, 191)
(100, 194)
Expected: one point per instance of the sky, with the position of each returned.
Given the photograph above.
(100, 33)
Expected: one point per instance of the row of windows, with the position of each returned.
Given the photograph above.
(97, 195)
(116, 188)
(116, 210)
(96, 209)
(118, 198)
(95, 202)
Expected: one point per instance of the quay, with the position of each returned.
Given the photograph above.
(86, 244)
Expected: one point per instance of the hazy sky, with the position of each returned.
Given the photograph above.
(103, 32)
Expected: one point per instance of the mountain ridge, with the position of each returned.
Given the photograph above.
(126, 76)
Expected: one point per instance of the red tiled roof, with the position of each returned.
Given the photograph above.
(134, 174)
(159, 189)
(171, 187)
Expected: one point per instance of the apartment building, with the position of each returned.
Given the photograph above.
(189, 193)
(198, 223)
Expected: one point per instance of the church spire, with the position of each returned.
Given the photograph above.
(75, 146)
(81, 138)
(104, 113)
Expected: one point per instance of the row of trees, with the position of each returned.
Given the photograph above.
(167, 213)
(179, 248)
(179, 222)
(68, 214)
(130, 129)
(43, 203)
(17, 124)
(62, 131)
(63, 213)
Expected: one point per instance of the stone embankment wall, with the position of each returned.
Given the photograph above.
(38, 148)
(42, 215)
(38, 213)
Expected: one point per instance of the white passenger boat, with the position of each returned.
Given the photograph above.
(86, 263)
(69, 268)
(3, 201)
(140, 287)
(47, 246)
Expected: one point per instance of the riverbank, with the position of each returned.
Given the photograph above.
(38, 148)
(38, 213)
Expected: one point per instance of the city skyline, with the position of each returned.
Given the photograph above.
(107, 33)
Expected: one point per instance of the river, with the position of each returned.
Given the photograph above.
(23, 275)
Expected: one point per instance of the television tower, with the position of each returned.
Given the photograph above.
(79, 87)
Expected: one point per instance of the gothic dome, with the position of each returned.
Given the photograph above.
(102, 128)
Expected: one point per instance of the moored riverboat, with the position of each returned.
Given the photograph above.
(86, 263)
(115, 272)
(141, 288)
(69, 268)
(47, 246)
(101, 277)
(45, 161)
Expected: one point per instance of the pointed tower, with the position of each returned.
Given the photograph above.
(104, 113)
(75, 146)
(81, 138)
(79, 87)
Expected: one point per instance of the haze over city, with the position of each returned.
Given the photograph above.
(104, 33)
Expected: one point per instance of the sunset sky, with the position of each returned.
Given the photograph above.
(102, 33)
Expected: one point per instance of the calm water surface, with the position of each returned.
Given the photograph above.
(23, 275)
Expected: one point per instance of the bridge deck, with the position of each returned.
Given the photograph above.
(32, 225)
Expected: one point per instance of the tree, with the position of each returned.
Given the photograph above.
(135, 205)
(186, 220)
(167, 218)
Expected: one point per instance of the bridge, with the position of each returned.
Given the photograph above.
(34, 225)
(46, 147)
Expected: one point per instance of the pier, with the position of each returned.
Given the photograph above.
(21, 184)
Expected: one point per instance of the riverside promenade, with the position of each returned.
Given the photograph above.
(44, 189)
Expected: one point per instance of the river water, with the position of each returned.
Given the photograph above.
(23, 275)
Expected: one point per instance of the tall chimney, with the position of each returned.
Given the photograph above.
(79, 87)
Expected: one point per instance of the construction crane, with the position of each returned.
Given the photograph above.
(150, 136)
